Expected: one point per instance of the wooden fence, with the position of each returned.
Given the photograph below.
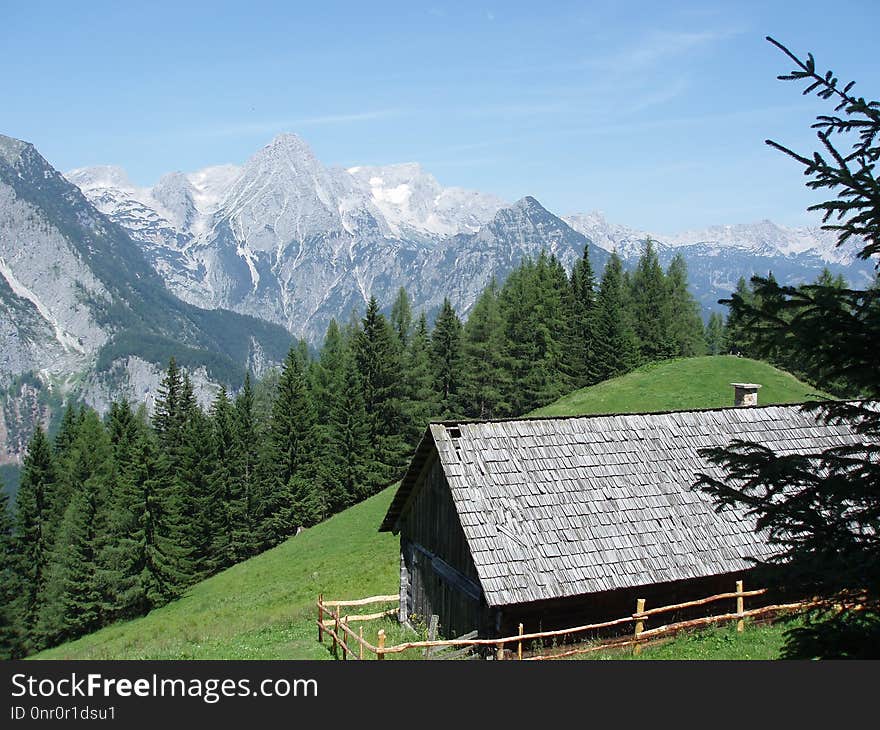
(337, 626)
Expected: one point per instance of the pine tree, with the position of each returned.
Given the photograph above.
(419, 398)
(617, 345)
(715, 334)
(8, 619)
(738, 335)
(483, 365)
(584, 316)
(352, 474)
(287, 475)
(228, 502)
(167, 417)
(381, 374)
(447, 360)
(72, 598)
(685, 322)
(651, 307)
(140, 559)
(30, 543)
(401, 318)
(247, 435)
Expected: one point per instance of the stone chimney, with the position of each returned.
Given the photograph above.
(745, 394)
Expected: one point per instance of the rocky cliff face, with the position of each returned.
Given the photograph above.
(82, 311)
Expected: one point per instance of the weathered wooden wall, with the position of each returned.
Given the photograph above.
(438, 575)
(597, 607)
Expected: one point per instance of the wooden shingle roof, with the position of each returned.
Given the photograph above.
(565, 506)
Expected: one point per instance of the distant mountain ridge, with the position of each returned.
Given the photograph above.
(82, 307)
(287, 239)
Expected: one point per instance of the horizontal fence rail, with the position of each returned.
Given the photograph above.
(337, 627)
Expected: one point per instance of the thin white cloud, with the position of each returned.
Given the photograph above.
(240, 129)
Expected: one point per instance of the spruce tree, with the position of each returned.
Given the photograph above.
(446, 359)
(401, 318)
(30, 543)
(228, 506)
(287, 474)
(617, 345)
(141, 559)
(247, 435)
(584, 315)
(715, 334)
(483, 363)
(651, 307)
(381, 374)
(419, 398)
(8, 618)
(739, 337)
(71, 602)
(685, 322)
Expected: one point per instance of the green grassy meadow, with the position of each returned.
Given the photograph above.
(264, 608)
(699, 382)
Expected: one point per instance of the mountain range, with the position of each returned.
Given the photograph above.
(101, 281)
(286, 239)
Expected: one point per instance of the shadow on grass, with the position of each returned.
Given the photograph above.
(846, 635)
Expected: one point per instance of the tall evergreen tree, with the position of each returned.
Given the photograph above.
(739, 338)
(584, 321)
(651, 307)
(381, 374)
(8, 619)
(228, 506)
(685, 322)
(447, 360)
(31, 540)
(246, 437)
(350, 475)
(288, 488)
(72, 599)
(617, 345)
(483, 365)
(715, 334)
(401, 318)
(141, 559)
(419, 398)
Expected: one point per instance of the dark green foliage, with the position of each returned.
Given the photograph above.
(420, 402)
(616, 349)
(446, 358)
(584, 322)
(8, 619)
(71, 602)
(714, 334)
(227, 504)
(651, 308)
(380, 367)
(822, 510)
(401, 318)
(483, 362)
(31, 542)
(685, 323)
(288, 492)
(247, 435)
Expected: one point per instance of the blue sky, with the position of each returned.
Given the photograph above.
(654, 113)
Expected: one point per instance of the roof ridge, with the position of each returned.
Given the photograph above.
(469, 421)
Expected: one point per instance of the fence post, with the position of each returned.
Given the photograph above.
(499, 651)
(321, 618)
(640, 625)
(740, 607)
(519, 644)
(361, 643)
(380, 654)
(335, 634)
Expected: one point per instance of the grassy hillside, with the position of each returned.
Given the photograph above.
(264, 607)
(699, 382)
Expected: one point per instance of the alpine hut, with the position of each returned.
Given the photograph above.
(557, 521)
